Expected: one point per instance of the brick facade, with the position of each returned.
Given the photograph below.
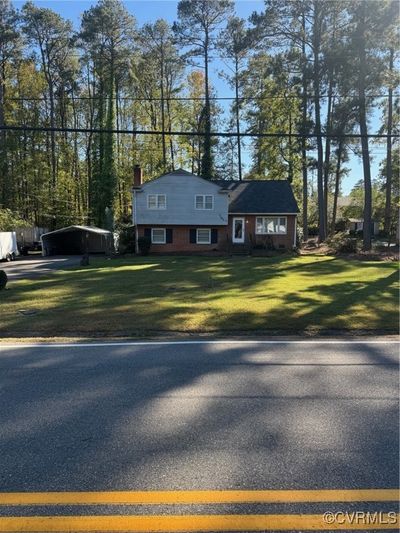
(181, 236)
(286, 241)
(181, 239)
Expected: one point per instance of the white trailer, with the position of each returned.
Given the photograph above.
(8, 246)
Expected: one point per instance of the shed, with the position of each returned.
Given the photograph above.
(357, 224)
(76, 240)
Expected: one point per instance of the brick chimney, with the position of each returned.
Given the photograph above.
(137, 176)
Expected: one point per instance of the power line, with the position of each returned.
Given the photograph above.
(196, 133)
(189, 98)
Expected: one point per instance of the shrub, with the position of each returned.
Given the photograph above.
(10, 220)
(341, 243)
(313, 230)
(144, 244)
(3, 279)
(126, 244)
(340, 225)
(383, 234)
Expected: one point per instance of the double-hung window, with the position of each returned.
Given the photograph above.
(271, 225)
(158, 236)
(156, 201)
(204, 201)
(203, 236)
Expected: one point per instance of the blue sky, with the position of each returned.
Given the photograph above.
(150, 10)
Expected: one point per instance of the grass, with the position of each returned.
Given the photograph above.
(139, 296)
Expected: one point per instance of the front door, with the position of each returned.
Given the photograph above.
(238, 230)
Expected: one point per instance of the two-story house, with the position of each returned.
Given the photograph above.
(182, 212)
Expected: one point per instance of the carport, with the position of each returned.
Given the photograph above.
(75, 240)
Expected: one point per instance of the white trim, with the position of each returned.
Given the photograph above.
(157, 197)
(197, 235)
(295, 233)
(23, 346)
(204, 202)
(272, 232)
(158, 229)
(238, 241)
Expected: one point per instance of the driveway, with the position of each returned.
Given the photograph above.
(33, 266)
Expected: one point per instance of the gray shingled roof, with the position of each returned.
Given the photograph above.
(260, 196)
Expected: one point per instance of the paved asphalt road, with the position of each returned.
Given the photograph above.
(35, 265)
(181, 416)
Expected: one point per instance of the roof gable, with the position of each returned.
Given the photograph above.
(181, 173)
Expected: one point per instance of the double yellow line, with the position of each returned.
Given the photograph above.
(191, 523)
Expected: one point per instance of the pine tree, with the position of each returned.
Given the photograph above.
(196, 29)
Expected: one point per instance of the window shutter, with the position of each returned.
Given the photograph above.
(192, 236)
(168, 235)
(147, 233)
(214, 236)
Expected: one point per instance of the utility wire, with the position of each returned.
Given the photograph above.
(196, 133)
(189, 98)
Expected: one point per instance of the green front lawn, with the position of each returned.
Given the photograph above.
(199, 294)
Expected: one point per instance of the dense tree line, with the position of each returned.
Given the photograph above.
(311, 70)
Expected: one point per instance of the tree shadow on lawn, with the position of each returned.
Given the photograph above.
(332, 307)
(145, 299)
(117, 419)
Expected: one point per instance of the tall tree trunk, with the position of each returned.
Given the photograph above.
(89, 151)
(4, 200)
(164, 146)
(337, 184)
(237, 110)
(53, 157)
(362, 114)
(328, 148)
(206, 164)
(388, 199)
(304, 138)
(290, 150)
(110, 184)
(171, 142)
(317, 110)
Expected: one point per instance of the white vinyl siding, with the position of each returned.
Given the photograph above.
(203, 236)
(156, 201)
(204, 201)
(158, 236)
(271, 225)
(180, 193)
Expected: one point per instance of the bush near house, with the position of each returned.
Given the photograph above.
(144, 244)
(126, 244)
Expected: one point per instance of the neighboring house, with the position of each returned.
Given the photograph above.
(182, 212)
(357, 224)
